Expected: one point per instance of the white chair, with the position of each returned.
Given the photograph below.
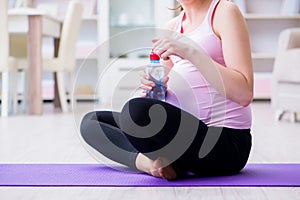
(7, 64)
(66, 60)
(286, 75)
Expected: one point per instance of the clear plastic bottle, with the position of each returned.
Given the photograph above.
(156, 72)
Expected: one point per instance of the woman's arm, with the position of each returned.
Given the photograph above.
(169, 30)
(146, 83)
(235, 81)
(231, 27)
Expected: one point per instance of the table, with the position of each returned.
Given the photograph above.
(35, 24)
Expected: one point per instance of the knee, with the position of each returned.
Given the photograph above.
(135, 111)
(86, 122)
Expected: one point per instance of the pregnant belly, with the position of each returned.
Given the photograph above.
(188, 90)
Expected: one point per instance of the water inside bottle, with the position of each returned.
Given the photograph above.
(156, 74)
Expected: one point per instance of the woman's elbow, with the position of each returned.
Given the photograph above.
(246, 99)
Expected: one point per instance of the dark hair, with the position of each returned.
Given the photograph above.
(179, 7)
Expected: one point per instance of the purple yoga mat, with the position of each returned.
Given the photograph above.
(93, 175)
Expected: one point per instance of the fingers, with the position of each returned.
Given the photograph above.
(170, 46)
(154, 40)
(146, 84)
(162, 48)
(143, 93)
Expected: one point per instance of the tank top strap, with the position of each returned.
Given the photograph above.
(209, 16)
(211, 11)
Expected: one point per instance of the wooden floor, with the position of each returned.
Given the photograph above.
(54, 138)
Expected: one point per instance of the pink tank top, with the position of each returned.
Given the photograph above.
(188, 89)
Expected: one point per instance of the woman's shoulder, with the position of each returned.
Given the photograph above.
(227, 15)
(227, 9)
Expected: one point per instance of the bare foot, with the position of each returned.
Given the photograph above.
(145, 164)
(164, 168)
(158, 168)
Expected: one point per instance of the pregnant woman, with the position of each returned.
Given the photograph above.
(204, 126)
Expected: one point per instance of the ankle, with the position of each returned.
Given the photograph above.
(143, 163)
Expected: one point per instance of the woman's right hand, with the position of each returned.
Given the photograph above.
(148, 85)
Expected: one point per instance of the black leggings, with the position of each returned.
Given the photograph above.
(158, 129)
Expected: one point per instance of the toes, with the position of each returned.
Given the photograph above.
(164, 169)
(167, 173)
(155, 172)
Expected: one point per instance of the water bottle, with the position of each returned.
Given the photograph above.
(156, 73)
